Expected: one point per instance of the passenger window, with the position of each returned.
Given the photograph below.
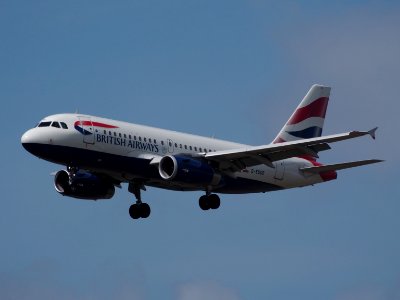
(120, 135)
(200, 150)
(176, 145)
(186, 147)
(134, 137)
(162, 143)
(144, 139)
(63, 125)
(195, 148)
(150, 141)
(115, 134)
(130, 137)
(155, 141)
(190, 147)
(109, 132)
(105, 131)
(140, 138)
(55, 124)
(44, 124)
(124, 136)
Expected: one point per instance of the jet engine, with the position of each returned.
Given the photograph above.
(188, 170)
(83, 185)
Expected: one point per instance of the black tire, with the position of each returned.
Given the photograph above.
(134, 211)
(144, 210)
(214, 201)
(203, 202)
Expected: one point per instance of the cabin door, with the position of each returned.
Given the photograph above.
(279, 170)
(86, 129)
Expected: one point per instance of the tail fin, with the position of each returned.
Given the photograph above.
(308, 119)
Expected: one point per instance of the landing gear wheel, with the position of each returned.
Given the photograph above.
(139, 209)
(213, 201)
(144, 210)
(134, 211)
(203, 202)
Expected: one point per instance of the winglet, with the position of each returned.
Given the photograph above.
(372, 132)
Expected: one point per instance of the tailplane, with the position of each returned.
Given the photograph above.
(341, 166)
(307, 121)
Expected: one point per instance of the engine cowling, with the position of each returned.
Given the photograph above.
(187, 170)
(84, 185)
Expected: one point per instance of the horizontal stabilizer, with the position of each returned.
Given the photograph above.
(341, 166)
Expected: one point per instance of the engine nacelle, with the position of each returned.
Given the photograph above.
(84, 185)
(187, 170)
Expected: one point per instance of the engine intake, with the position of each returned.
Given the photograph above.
(187, 170)
(84, 185)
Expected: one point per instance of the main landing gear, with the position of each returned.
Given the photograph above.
(209, 201)
(142, 210)
(139, 209)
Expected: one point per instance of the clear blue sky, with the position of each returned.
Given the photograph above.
(232, 69)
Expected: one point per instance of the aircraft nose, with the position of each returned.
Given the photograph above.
(27, 137)
(28, 140)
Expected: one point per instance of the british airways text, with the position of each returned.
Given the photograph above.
(117, 141)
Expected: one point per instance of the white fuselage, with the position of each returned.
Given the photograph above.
(127, 152)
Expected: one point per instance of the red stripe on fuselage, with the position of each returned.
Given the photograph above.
(326, 176)
(314, 109)
(95, 124)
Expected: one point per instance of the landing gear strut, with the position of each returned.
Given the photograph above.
(209, 201)
(139, 209)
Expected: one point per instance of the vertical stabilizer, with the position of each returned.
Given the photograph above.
(307, 121)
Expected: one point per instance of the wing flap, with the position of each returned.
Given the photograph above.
(340, 166)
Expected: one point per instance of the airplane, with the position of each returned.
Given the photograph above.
(100, 154)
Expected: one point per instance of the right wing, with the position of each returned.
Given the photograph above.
(238, 159)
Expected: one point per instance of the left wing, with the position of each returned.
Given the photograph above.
(238, 159)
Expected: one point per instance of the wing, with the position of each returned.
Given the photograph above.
(238, 159)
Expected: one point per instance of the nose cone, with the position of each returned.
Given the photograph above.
(25, 138)
(29, 141)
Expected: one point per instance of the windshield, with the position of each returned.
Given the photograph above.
(44, 124)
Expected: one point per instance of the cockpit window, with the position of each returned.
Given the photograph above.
(63, 125)
(44, 124)
(55, 124)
